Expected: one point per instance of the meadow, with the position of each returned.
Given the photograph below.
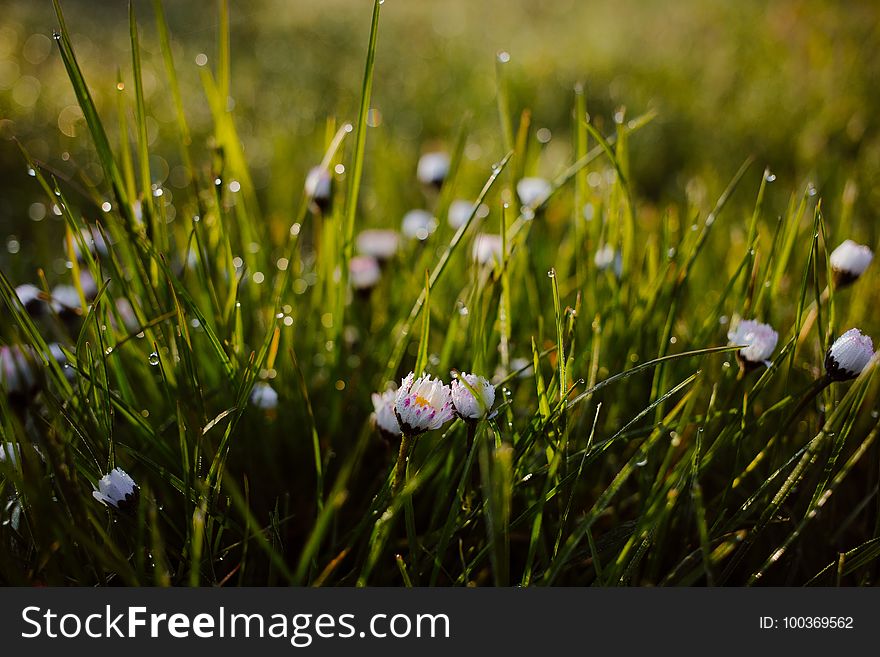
(233, 230)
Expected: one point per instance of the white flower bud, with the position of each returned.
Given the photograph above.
(319, 187)
(418, 224)
(849, 355)
(759, 340)
(381, 244)
(31, 298)
(487, 249)
(117, 489)
(433, 168)
(364, 272)
(459, 211)
(466, 405)
(849, 261)
(607, 257)
(264, 397)
(533, 191)
(383, 412)
(17, 371)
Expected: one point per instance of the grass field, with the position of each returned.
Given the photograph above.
(223, 328)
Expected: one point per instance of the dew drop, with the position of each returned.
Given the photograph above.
(503, 56)
(551, 273)
(154, 359)
(770, 177)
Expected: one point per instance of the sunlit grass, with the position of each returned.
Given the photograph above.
(226, 357)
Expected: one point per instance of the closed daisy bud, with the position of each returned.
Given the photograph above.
(364, 273)
(533, 191)
(65, 300)
(380, 244)
(422, 404)
(418, 224)
(466, 405)
(849, 355)
(264, 397)
(607, 257)
(126, 313)
(849, 261)
(9, 454)
(383, 416)
(524, 367)
(759, 340)
(319, 188)
(488, 249)
(89, 286)
(17, 372)
(459, 211)
(32, 299)
(116, 489)
(433, 168)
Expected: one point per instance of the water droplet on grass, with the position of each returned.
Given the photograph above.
(154, 359)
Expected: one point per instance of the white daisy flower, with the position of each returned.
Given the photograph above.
(533, 191)
(422, 404)
(117, 489)
(383, 412)
(319, 187)
(459, 211)
(849, 355)
(487, 249)
(418, 224)
(31, 298)
(433, 168)
(849, 261)
(264, 397)
(380, 244)
(466, 405)
(759, 340)
(364, 272)
(17, 371)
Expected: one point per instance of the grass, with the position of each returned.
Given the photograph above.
(626, 447)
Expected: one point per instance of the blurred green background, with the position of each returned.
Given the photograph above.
(793, 83)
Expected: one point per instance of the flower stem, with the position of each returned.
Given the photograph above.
(400, 468)
(474, 475)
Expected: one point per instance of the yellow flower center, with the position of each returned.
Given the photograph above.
(421, 401)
